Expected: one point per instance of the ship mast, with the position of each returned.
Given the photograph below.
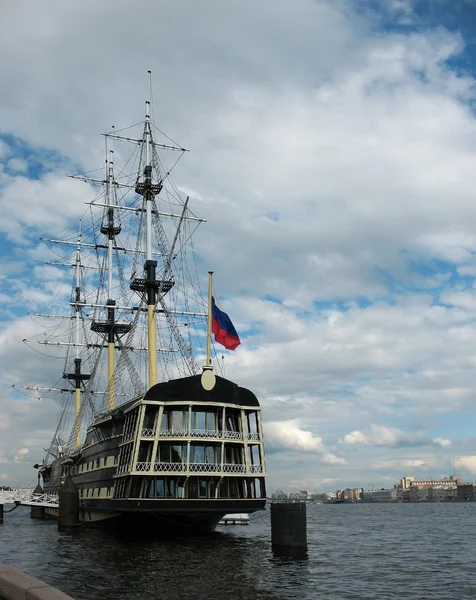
(149, 284)
(110, 328)
(150, 265)
(77, 376)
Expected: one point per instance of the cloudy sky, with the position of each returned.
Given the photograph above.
(333, 152)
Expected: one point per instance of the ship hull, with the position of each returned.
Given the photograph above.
(178, 517)
(145, 466)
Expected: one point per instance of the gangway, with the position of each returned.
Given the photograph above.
(28, 498)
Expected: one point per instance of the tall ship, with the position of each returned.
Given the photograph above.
(150, 431)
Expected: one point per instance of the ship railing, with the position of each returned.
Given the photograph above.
(205, 468)
(201, 468)
(148, 432)
(143, 466)
(204, 433)
(253, 437)
(174, 467)
(256, 468)
(232, 435)
(174, 433)
(232, 468)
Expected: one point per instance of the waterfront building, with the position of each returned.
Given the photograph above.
(407, 482)
(467, 492)
(279, 495)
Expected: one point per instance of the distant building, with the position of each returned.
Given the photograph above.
(279, 495)
(302, 495)
(408, 482)
(349, 494)
(380, 495)
(467, 492)
(441, 493)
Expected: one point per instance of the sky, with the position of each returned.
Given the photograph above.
(333, 154)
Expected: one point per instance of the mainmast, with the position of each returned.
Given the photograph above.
(149, 284)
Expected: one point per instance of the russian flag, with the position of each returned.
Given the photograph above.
(223, 329)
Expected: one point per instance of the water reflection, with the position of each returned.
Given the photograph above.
(291, 553)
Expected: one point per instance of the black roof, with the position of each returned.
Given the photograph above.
(190, 389)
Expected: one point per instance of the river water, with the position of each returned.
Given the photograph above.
(355, 551)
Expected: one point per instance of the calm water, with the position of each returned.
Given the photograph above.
(355, 552)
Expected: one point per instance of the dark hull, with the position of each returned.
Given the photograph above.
(179, 517)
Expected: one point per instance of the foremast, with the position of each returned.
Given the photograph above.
(110, 328)
(77, 376)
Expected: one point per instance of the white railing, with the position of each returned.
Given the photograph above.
(143, 466)
(254, 437)
(202, 433)
(177, 467)
(174, 467)
(148, 432)
(256, 468)
(28, 498)
(229, 468)
(174, 433)
(205, 433)
(204, 468)
(232, 435)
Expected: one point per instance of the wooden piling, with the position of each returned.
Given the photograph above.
(37, 512)
(288, 525)
(68, 498)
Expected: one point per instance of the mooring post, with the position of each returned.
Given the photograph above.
(1, 513)
(68, 498)
(37, 512)
(288, 525)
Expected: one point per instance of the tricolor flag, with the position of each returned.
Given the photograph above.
(223, 329)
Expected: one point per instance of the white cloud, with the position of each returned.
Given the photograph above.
(331, 459)
(468, 463)
(21, 454)
(4, 149)
(17, 164)
(444, 443)
(288, 435)
(392, 437)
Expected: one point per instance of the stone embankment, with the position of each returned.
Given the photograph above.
(15, 585)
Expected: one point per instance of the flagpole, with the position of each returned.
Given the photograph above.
(208, 364)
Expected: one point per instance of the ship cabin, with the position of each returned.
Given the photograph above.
(180, 441)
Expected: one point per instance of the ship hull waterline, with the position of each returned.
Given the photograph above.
(171, 517)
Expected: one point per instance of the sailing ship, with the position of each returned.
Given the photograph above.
(145, 434)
